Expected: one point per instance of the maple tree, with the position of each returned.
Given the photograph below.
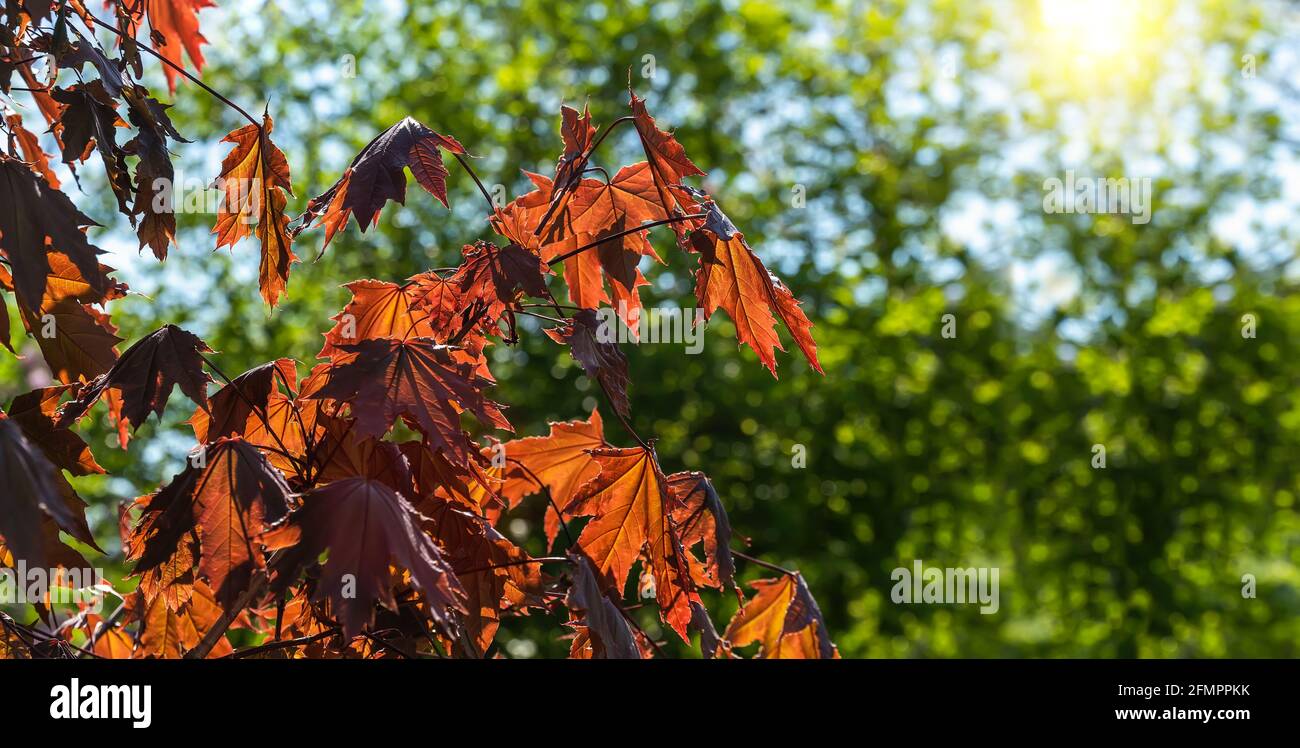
(366, 461)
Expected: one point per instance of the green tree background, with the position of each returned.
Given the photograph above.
(919, 136)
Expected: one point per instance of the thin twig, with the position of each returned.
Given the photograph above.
(549, 499)
(762, 563)
(261, 414)
(525, 562)
(281, 644)
(470, 171)
(218, 629)
(621, 234)
(183, 72)
(542, 316)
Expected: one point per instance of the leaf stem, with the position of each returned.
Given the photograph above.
(282, 644)
(760, 562)
(580, 168)
(549, 499)
(218, 629)
(261, 416)
(460, 158)
(621, 234)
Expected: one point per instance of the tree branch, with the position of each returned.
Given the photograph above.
(183, 72)
(218, 629)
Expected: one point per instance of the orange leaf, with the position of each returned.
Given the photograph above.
(32, 151)
(378, 309)
(629, 504)
(668, 161)
(229, 500)
(784, 619)
(254, 180)
(561, 460)
(177, 22)
(731, 276)
(386, 378)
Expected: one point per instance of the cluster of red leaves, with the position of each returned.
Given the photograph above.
(349, 512)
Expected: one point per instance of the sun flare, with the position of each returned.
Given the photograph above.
(1090, 27)
(1090, 49)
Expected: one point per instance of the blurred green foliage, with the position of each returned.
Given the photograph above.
(891, 119)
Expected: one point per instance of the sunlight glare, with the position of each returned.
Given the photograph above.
(1090, 27)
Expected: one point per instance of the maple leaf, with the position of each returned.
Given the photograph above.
(492, 276)
(606, 213)
(169, 633)
(379, 309)
(231, 410)
(84, 346)
(438, 301)
(364, 525)
(784, 619)
(157, 228)
(33, 489)
(76, 54)
(589, 341)
(416, 378)
(40, 216)
(89, 118)
(376, 176)
(668, 161)
(631, 197)
(32, 151)
(496, 574)
(630, 508)
(254, 180)
(605, 625)
(597, 218)
(561, 460)
(174, 26)
(145, 375)
(228, 501)
(698, 513)
(577, 132)
(346, 454)
(731, 276)
(36, 413)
